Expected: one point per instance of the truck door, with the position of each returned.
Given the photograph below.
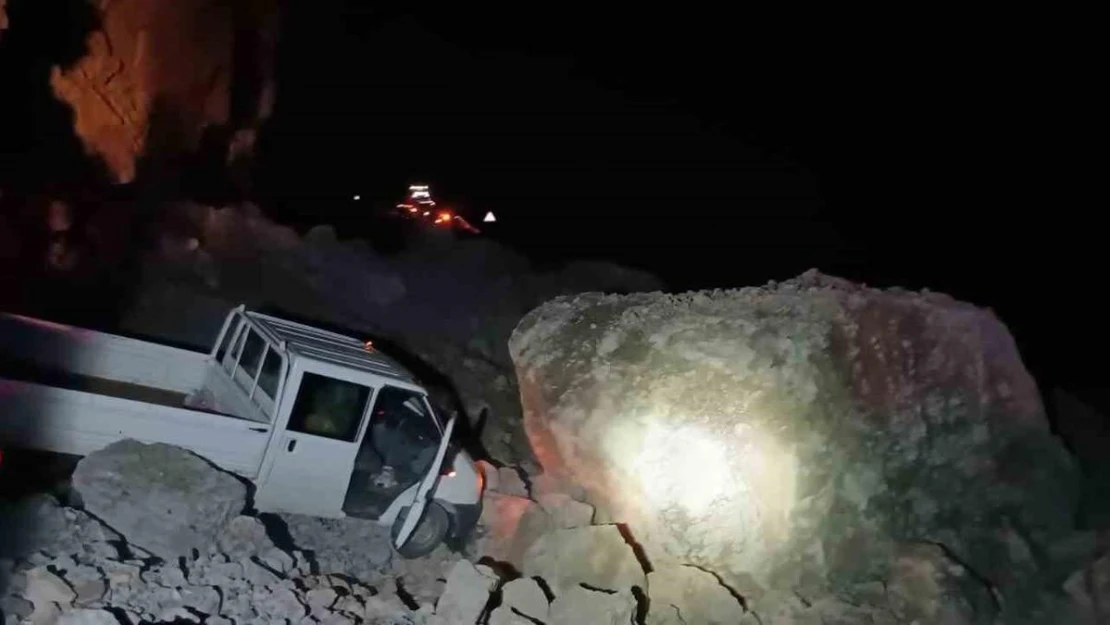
(311, 458)
(424, 493)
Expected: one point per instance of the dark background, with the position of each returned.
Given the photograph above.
(716, 147)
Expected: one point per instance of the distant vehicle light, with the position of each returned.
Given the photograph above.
(368, 346)
(358, 197)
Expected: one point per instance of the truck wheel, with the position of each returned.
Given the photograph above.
(429, 532)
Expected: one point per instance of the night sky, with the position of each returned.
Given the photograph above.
(715, 149)
(712, 147)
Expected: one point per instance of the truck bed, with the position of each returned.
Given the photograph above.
(73, 391)
(81, 353)
(28, 372)
(78, 422)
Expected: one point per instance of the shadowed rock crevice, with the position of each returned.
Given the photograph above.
(637, 548)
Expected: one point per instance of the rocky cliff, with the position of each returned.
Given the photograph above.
(158, 75)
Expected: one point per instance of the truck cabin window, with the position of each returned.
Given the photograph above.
(252, 354)
(329, 408)
(271, 373)
(406, 412)
(226, 343)
(238, 349)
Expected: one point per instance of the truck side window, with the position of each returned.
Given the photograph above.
(252, 354)
(271, 373)
(328, 407)
(226, 344)
(239, 346)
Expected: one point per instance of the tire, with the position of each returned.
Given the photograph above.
(429, 533)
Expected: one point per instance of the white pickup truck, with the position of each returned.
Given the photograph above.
(323, 424)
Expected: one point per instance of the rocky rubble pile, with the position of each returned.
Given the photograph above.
(70, 568)
(85, 573)
(60, 564)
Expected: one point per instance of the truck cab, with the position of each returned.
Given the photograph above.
(343, 416)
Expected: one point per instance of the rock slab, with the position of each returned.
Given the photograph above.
(595, 556)
(162, 498)
(686, 594)
(579, 605)
(510, 525)
(466, 595)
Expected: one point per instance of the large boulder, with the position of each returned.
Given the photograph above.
(162, 498)
(788, 438)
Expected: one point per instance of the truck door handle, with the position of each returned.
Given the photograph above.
(292, 444)
(258, 429)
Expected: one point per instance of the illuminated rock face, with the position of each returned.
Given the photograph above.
(793, 438)
(157, 73)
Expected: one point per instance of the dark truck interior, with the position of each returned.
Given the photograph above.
(396, 452)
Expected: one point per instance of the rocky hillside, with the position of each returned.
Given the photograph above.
(445, 306)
